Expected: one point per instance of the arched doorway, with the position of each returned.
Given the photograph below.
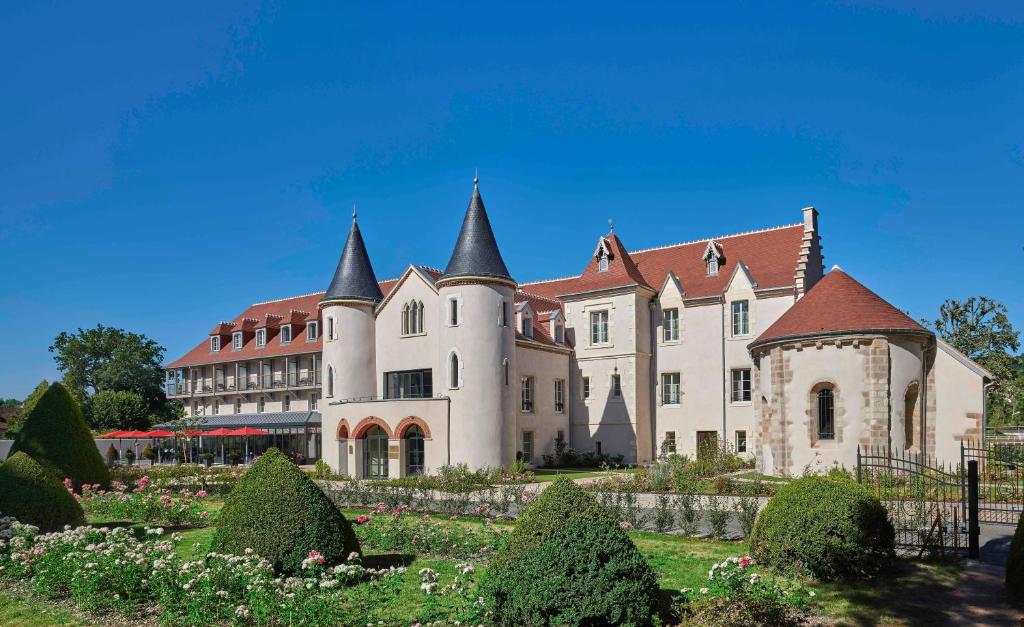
(414, 451)
(375, 453)
(910, 416)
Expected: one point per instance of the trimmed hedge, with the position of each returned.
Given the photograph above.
(56, 436)
(559, 503)
(826, 527)
(33, 495)
(1015, 563)
(278, 512)
(588, 572)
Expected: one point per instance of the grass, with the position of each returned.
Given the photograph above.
(26, 611)
(542, 475)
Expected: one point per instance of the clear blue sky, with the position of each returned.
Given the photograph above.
(163, 167)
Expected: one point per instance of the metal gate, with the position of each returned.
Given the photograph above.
(1000, 479)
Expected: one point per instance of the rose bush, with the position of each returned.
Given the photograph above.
(142, 502)
(395, 529)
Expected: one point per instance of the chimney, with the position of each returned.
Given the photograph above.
(810, 267)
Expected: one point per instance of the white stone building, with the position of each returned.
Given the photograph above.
(739, 340)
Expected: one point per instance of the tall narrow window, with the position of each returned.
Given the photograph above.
(527, 394)
(504, 368)
(330, 380)
(741, 385)
(740, 317)
(216, 408)
(559, 333)
(599, 327)
(559, 396)
(602, 263)
(503, 313)
(527, 329)
(453, 312)
(712, 265)
(313, 398)
(331, 333)
(236, 341)
(215, 344)
(909, 413)
(826, 415)
(586, 388)
(238, 405)
(453, 371)
(670, 388)
(412, 318)
(261, 405)
(312, 331)
(286, 403)
(616, 386)
(668, 445)
(414, 450)
(527, 446)
(670, 325)
(286, 333)
(741, 441)
(261, 338)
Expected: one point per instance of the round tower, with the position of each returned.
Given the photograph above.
(477, 344)
(349, 368)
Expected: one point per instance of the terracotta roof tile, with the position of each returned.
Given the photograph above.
(838, 304)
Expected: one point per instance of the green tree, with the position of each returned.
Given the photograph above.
(109, 359)
(979, 328)
(15, 422)
(119, 409)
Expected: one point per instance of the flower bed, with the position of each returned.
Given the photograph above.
(142, 502)
(110, 570)
(214, 481)
(396, 530)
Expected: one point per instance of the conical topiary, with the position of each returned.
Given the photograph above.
(278, 512)
(34, 496)
(562, 501)
(56, 436)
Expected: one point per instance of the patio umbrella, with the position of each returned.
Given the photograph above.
(247, 431)
(135, 435)
(160, 433)
(111, 435)
(221, 433)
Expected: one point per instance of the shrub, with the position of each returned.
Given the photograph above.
(55, 435)
(741, 611)
(119, 409)
(588, 572)
(561, 502)
(825, 527)
(30, 493)
(277, 511)
(1015, 563)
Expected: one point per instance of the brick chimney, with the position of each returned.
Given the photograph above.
(810, 267)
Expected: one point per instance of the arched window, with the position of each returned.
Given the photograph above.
(826, 413)
(375, 453)
(454, 372)
(414, 450)
(330, 380)
(406, 310)
(504, 367)
(909, 415)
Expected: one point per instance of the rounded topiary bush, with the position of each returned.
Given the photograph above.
(33, 495)
(825, 527)
(56, 436)
(561, 502)
(278, 512)
(587, 572)
(1015, 563)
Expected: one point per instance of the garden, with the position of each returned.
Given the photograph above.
(186, 545)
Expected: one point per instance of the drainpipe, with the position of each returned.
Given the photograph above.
(448, 444)
(725, 436)
(652, 395)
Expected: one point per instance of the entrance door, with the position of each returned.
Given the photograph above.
(375, 454)
(707, 444)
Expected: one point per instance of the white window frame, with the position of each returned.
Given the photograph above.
(261, 337)
(454, 311)
(237, 341)
(740, 317)
(559, 396)
(527, 325)
(602, 263)
(670, 327)
(737, 441)
(559, 333)
(312, 330)
(740, 384)
(600, 327)
(585, 388)
(214, 343)
(526, 394)
(332, 329)
(670, 442)
(671, 389)
(528, 458)
(313, 399)
(286, 329)
(616, 385)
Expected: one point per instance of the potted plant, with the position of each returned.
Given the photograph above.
(149, 453)
(233, 457)
(129, 456)
(111, 455)
(208, 459)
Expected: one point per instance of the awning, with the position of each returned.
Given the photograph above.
(266, 420)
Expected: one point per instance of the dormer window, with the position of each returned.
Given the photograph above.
(559, 333)
(215, 344)
(713, 266)
(261, 338)
(312, 331)
(286, 333)
(602, 263)
(712, 257)
(527, 325)
(603, 255)
(236, 341)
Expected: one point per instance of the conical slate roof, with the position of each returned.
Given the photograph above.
(476, 252)
(354, 278)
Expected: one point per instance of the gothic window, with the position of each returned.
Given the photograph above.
(826, 414)
(454, 371)
(330, 380)
(412, 318)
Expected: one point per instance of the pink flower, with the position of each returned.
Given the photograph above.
(363, 518)
(201, 494)
(396, 511)
(203, 515)
(67, 483)
(745, 561)
(166, 500)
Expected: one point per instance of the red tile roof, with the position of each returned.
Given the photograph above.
(838, 304)
(770, 255)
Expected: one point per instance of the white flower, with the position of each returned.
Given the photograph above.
(703, 590)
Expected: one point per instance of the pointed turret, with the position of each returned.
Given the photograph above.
(476, 252)
(354, 279)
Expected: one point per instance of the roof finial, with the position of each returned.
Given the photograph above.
(476, 178)
(353, 212)
(611, 226)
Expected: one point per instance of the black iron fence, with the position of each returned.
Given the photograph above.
(1000, 479)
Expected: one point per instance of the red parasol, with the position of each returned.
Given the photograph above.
(134, 434)
(159, 433)
(111, 435)
(219, 432)
(248, 431)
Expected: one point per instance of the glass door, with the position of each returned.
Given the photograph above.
(375, 454)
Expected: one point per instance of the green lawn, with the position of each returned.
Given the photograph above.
(27, 611)
(550, 474)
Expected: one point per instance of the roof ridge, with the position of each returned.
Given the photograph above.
(538, 296)
(716, 238)
(278, 300)
(561, 278)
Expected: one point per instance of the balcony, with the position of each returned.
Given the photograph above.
(250, 383)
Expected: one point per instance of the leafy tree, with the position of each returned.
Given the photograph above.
(15, 422)
(979, 328)
(119, 409)
(109, 359)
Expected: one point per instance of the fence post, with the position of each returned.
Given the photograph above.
(973, 526)
(858, 463)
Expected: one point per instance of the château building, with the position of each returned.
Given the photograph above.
(740, 340)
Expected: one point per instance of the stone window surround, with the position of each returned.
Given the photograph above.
(838, 413)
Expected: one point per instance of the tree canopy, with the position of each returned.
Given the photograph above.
(119, 409)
